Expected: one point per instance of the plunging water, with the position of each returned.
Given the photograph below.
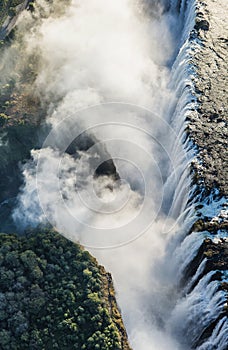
(116, 73)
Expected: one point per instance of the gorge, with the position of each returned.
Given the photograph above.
(122, 87)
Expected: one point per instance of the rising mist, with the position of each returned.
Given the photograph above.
(103, 68)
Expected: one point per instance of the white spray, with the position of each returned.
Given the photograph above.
(103, 69)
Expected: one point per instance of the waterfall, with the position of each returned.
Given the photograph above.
(195, 312)
(121, 80)
(198, 316)
(218, 339)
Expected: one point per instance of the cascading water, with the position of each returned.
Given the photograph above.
(198, 317)
(108, 56)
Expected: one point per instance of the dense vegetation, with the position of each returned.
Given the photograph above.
(52, 296)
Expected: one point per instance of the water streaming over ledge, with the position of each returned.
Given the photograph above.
(148, 271)
(198, 317)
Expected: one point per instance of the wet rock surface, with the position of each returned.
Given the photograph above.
(208, 132)
(208, 126)
(216, 255)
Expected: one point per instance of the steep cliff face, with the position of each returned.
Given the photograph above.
(208, 126)
(207, 132)
(21, 117)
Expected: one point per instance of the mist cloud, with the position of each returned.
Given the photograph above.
(99, 52)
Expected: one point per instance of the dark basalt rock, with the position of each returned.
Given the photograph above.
(212, 227)
(216, 255)
(207, 332)
(107, 168)
(83, 143)
(201, 24)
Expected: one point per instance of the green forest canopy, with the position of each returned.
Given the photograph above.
(52, 296)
